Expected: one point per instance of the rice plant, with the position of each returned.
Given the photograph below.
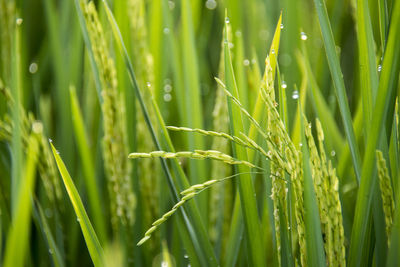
(199, 133)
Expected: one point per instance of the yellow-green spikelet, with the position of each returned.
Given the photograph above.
(386, 191)
(279, 188)
(326, 191)
(319, 181)
(115, 140)
(333, 228)
(46, 166)
(280, 145)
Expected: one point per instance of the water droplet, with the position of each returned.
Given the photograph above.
(226, 20)
(295, 94)
(379, 68)
(186, 256)
(58, 152)
(167, 81)
(167, 97)
(303, 36)
(50, 140)
(246, 62)
(78, 220)
(300, 144)
(148, 84)
(230, 45)
(50, 251)
(166, 30)
(333, 153)
(33, 68)
(253, 61)
(288, 228)
(171, 5)
(37, 127)
(238, 34)
(167, 88)
(19, 21)
(211, 4)
(272, 51)
(282, 26)
(164, 264)
(284, 85)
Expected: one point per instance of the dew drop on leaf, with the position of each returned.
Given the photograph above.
(295, 94)
(303, 36)
(211, 4)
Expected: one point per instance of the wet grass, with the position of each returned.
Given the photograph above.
(182, 133)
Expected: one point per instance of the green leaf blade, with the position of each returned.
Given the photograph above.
(92, 242)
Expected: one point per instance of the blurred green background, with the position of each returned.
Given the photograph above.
(175, 47)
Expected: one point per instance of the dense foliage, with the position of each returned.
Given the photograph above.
(199, 133)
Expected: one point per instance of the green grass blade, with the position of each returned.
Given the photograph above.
(19, 233)
(315, 247)
(92, 186)
(52, 245)
(385, 99)
(273, 55)
(259, 106)
(337, 76)
(322, 110)
(383, 19)
(368, 71)
(123, 10)
(193, 115)
(86, 38)
(174, 58)
(302, 93)
(283, 107)
(235, 233)
(16, 142)
(92, 242)
(246, 187)
(157, 40)
(60, 59)
(240, 70)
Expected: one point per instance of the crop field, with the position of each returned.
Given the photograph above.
(199, 133)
